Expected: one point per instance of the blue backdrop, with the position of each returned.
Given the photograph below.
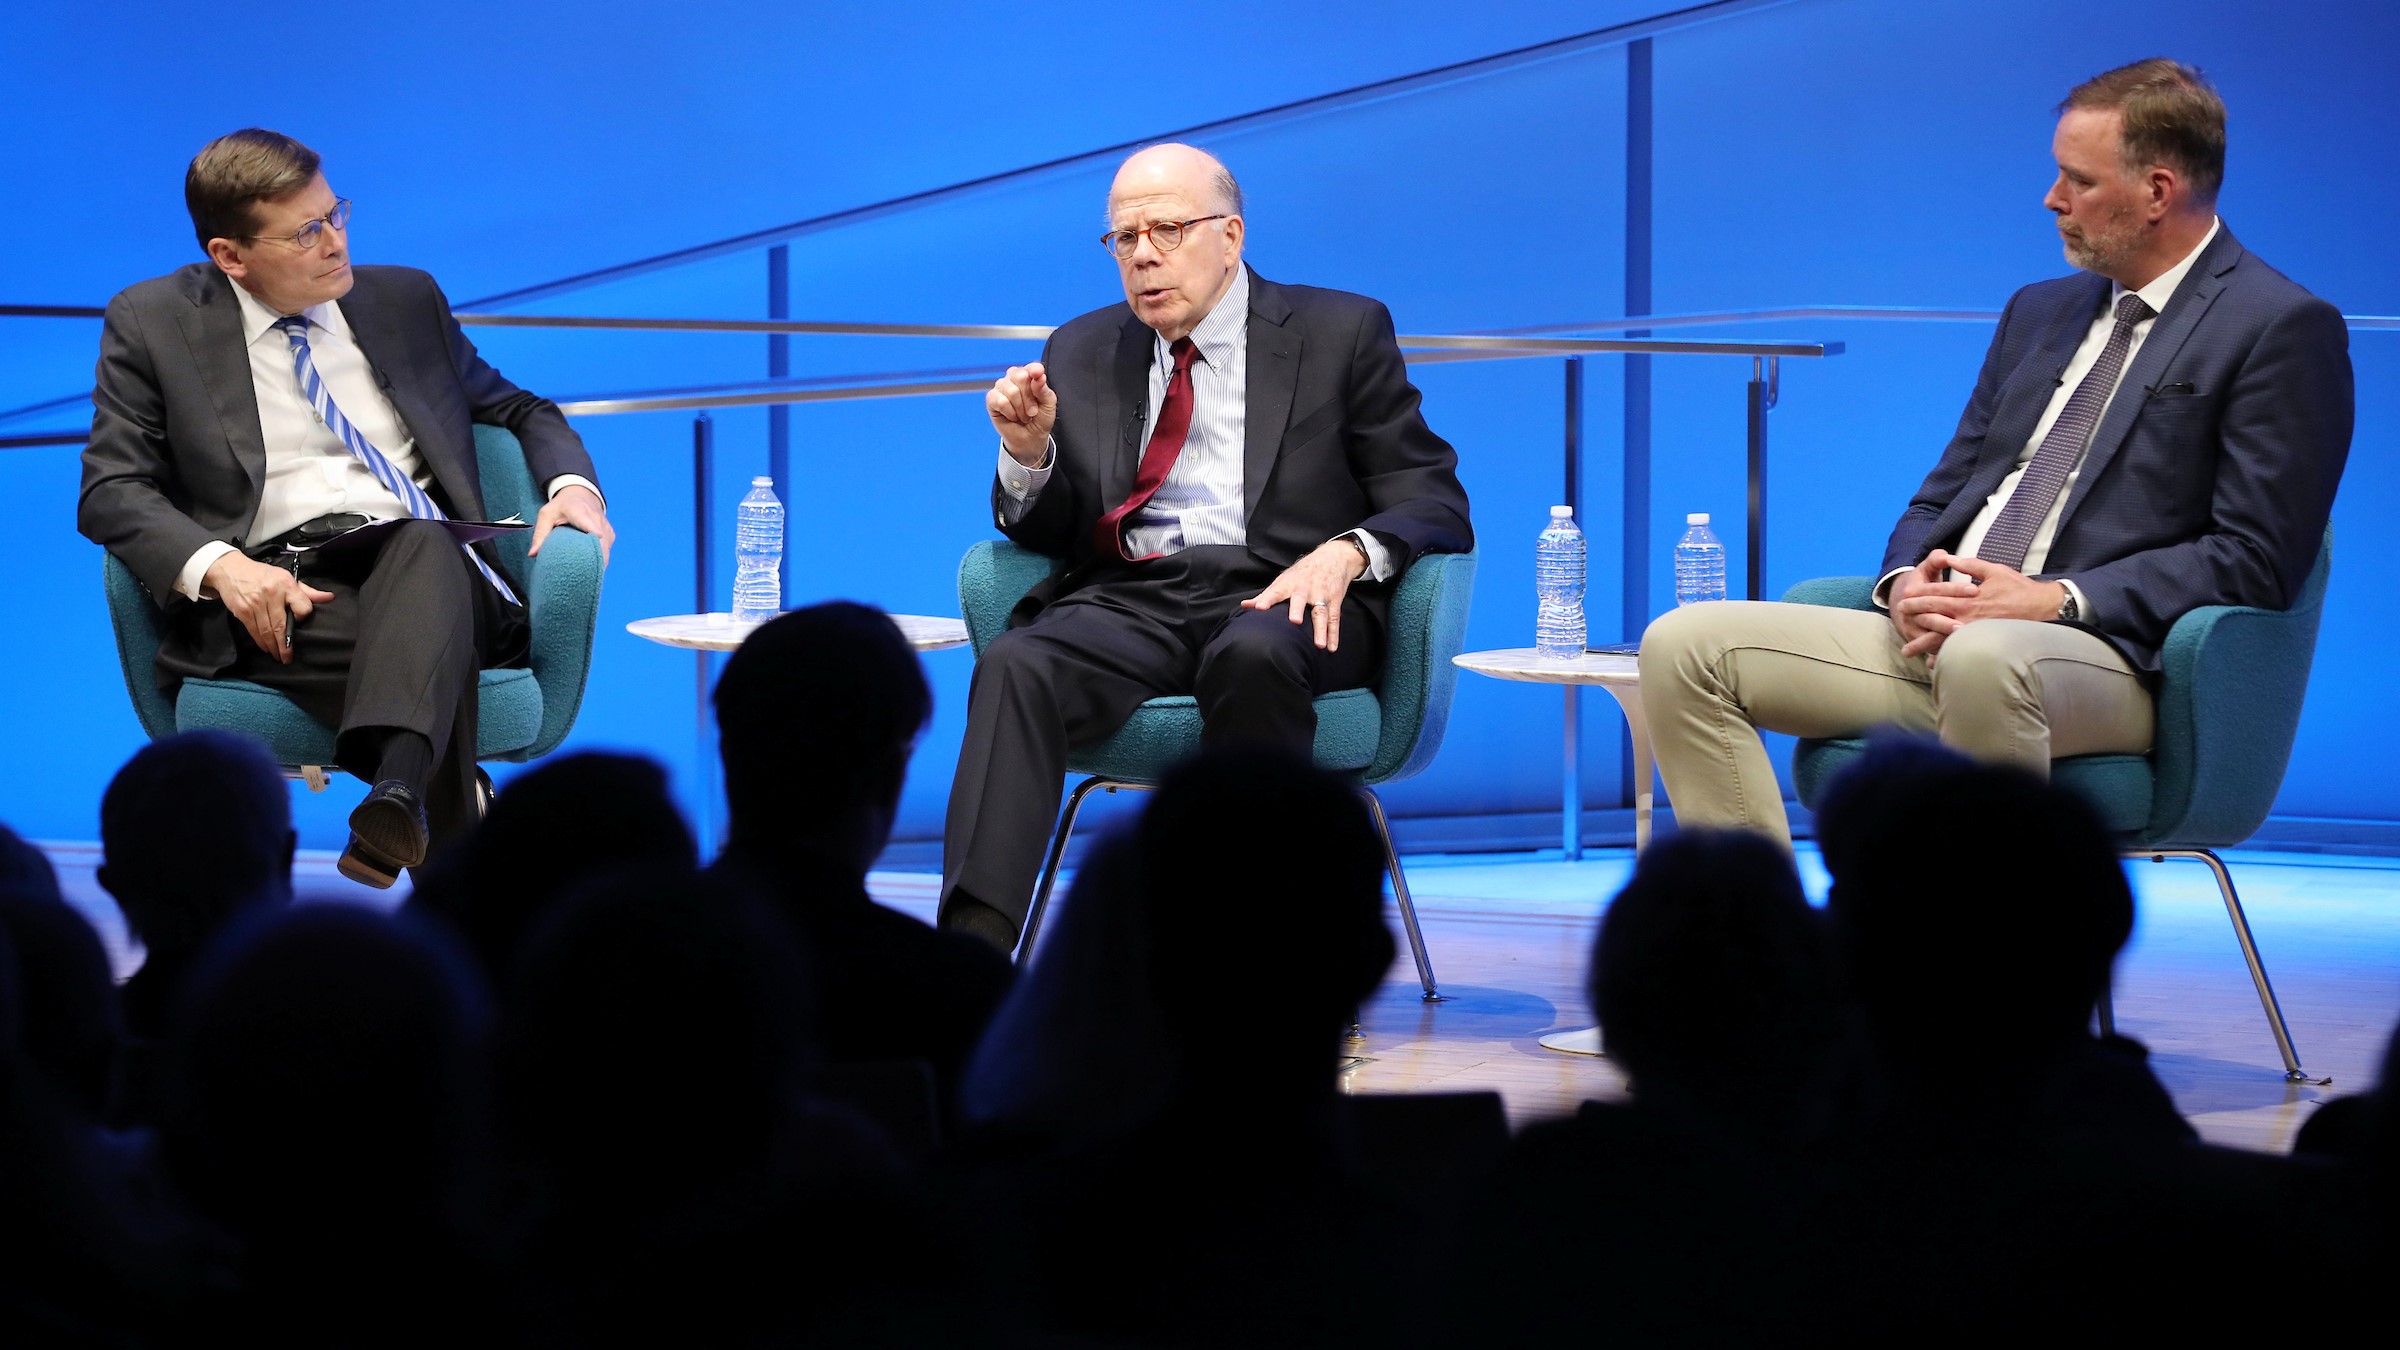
(1817, 152)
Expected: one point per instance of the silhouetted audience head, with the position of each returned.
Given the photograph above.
(816, 715)
(1262, 883)
(1072, 1055)
(24, 869)
(67, 1003)
(567, 819)
(657, 1041)
(1979, 909)
(1715, 986)
(193, 829)
(328, 1080)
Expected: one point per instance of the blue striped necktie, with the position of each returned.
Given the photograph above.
(295, 327)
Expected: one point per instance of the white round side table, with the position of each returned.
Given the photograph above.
(720, 633)
(1620, 673)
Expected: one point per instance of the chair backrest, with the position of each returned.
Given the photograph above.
(508, 490)
(2229, 698)
(992, 578)
(1428, 627)
(137, 622)
(562, 603)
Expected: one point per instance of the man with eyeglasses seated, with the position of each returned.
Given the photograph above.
(271, 397)
(1234, 473)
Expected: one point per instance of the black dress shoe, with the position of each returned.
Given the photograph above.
(387, 833)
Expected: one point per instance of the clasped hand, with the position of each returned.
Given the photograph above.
(1927, 608)
(1314, 586)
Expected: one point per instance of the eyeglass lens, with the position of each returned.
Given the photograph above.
(1165, 236)
(339, 218)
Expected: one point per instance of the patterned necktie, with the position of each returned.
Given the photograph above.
(1174, 425)
(295, 327)
(2011, 535)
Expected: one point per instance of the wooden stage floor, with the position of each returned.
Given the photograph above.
(1510, 935)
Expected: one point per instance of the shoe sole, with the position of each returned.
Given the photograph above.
(384, 838)
(357, 864)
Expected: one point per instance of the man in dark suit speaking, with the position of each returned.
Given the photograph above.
(1234, 472)
(2162, 432)
(251, 406)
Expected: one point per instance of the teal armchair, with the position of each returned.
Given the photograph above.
(1372, 736)
(2228, 710)
(522, 714)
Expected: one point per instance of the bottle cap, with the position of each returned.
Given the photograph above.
(1696, 518)
(762, 481)
(1562, 513)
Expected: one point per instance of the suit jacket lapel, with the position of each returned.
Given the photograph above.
(452, 467)
(1271, 376)
(2167, 335)
(1124, 410)
(2022, 399)
(212, 333)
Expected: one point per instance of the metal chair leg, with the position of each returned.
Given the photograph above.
(2241, 932)
(1050, 864)
(1408, 907)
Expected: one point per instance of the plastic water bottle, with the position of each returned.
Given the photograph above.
(1558, 582)
(1699, 562)
(758, 554)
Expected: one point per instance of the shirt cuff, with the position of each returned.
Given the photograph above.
(2083, 607)
(187, 581)
(567, 480)
(1379, 559)
(1020, 485)
(1883, 587)
(1024, 484)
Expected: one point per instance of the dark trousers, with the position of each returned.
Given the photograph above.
(398, 648)
(1072, 675)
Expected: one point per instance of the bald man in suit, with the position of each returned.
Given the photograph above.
(1233, 475)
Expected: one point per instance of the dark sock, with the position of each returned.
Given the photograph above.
(408, 757)
(966, 914)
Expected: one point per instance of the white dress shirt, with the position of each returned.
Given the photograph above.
(1201, 500)
(2087, 354)
(310, 473)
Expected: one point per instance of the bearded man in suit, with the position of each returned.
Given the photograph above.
(1234, 475)
(2163, 431)
(252, 406)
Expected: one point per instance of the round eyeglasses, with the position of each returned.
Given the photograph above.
(1166, 236)
(312, 231)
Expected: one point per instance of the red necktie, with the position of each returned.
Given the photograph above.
(1166, 442)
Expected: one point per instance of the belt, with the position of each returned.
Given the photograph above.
(285, 549)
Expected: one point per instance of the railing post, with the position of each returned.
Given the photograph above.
(704, 465)
(1571, 816)
(1633, 613)
(1761, 400)
(779, 415)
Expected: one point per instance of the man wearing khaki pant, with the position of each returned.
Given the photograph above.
(2162, 431)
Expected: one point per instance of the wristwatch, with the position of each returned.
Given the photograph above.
(2068, 610)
